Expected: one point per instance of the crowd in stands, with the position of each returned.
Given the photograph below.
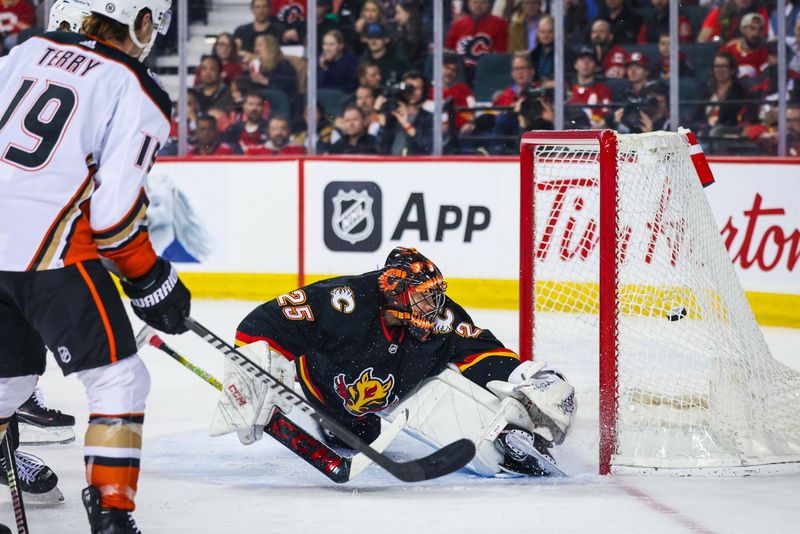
(375, 64)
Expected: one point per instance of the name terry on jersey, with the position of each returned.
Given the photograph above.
(68, 60)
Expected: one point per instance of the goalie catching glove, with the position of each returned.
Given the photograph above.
(159, 298)
(546, 395)
(245, 404)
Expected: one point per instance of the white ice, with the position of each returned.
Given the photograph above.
(192, 483)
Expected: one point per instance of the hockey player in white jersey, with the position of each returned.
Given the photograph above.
(81, 123)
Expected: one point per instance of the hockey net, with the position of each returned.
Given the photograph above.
(622, 259)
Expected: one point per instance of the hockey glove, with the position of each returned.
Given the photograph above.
(159, 298)
(545, 393)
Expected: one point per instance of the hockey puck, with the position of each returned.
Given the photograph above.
(676, 314)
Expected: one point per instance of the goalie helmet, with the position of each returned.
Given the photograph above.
(413, 289)
(126, 11)
(70, 11)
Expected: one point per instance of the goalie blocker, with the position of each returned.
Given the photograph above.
(390, 342)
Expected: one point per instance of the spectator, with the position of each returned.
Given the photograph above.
(577, 17)
(723, 22)
(794, 62)
(457, 92)
(793, 129)
(657, 23)
(792, 14)
(371, 13)
(225, 49)
(406, 128)
(410, 37)
(685, 68)
(625, 23)
(524, 26)
(292, 14)
(207, 139)
(391, 63)
(637, 72)
(765, 133)
(523, 74)
(15, 16)
(609, 57)
(723, 85)
(587, 90)
(369, 74)
(543, 56)
(212, 92)
(270, 70)
(251, 130)
(337, 66)
(355, 138)
(192, 112)
(263, 24)
(648, 114)
(327, 20)
(749, 50)
(278, 144)
(365, 100)
(325, 131)
(478, 34)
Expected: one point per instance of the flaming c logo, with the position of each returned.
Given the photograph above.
(366, 394)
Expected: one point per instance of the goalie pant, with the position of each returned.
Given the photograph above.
(352, 365)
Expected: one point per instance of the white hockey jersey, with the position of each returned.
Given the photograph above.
(81, 124)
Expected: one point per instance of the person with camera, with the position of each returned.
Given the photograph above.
(406, 128)
(649, 113)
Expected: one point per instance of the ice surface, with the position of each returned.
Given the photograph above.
(193, 483)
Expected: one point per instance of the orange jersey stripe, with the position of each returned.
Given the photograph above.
(112, 344)
(135, 258)
(469, 361)
(304, 376)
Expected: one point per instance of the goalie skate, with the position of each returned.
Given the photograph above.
(40, 425)
(526, 454)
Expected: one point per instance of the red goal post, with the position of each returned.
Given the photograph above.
(621, 260)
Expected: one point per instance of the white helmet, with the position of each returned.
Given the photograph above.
(126, 11)
(69, 11)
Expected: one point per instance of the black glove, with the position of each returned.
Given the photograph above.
(159, 298)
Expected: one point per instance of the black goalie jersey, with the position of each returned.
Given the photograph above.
(350, 362)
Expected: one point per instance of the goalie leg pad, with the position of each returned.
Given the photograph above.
(450, 407)
(245, 404)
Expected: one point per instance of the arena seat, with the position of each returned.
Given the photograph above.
(492, 74)
(278, 101)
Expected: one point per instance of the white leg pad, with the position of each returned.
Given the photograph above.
(450, 407)
(117, 388)
(13, 392)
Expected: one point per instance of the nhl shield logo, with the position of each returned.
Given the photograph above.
(352, 216)
(350, 210)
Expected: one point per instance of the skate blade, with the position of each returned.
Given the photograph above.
(40, 435)
(54, 496)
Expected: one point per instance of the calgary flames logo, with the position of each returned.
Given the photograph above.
(343, 300)
(472, 47)
(366, 394)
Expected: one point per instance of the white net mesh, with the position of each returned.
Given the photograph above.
(697, 386)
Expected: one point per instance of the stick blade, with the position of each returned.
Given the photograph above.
(442, 462)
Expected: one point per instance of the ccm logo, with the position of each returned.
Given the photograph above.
(237, 395)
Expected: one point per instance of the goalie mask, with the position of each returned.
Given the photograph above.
(413, 289)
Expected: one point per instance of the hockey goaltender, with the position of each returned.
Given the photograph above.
(364, 347)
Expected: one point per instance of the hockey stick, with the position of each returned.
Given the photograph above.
(327, 461)
(13, 486)
(441, 462)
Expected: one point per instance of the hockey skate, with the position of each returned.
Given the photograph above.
(37, 481)
(526, 453)
(40, 425)
(107, 520)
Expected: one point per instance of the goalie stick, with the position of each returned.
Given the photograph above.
(439, 463)
(13, 486)
(338, 468)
